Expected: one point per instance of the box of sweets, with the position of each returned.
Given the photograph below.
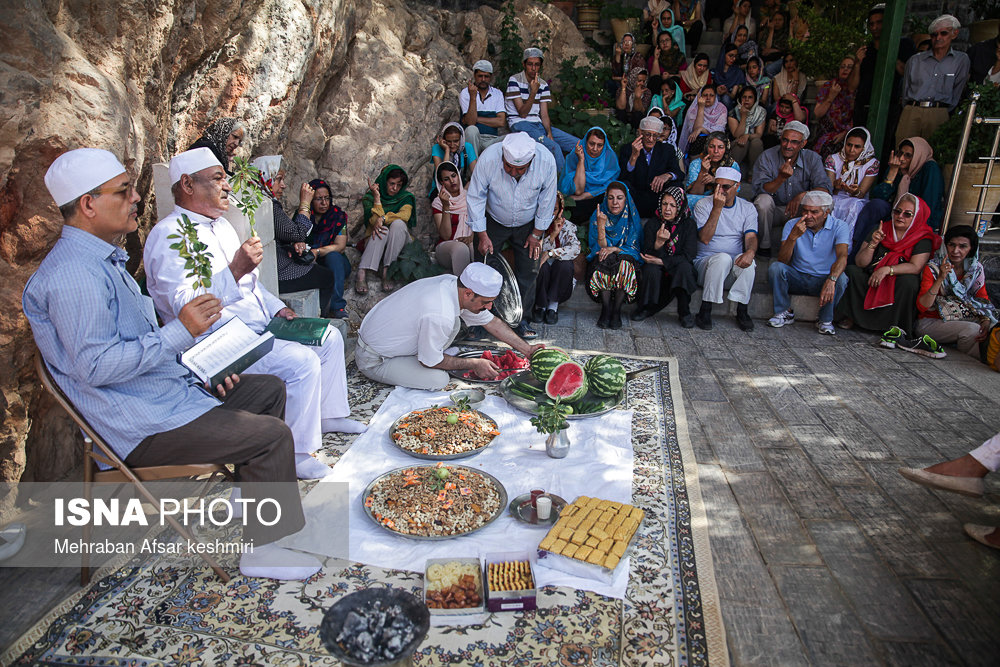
(453, 591)
(510, 581)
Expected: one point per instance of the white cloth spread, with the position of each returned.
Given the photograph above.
(599, 465)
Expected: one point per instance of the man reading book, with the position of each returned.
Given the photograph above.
(314, 377)
(99, 337)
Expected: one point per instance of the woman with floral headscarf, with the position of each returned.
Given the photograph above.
(389, 212)
(669, 247)
(953, 305)
(615, 240)
(222, 137)
(746, 125)
(707, 115)
(451, 220)
(554, 283)
(852, 174)
(700, 180)
(328, 239)
(588, 172)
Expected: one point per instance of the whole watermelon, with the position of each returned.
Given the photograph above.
(545, 360)
(567, 381)
(605, 375)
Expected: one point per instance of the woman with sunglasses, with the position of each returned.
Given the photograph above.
(885, 277)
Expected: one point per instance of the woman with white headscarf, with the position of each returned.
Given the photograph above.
(852, 174)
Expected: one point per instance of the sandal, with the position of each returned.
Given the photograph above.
(361, 286)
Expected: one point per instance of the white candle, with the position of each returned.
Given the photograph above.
(544, 507)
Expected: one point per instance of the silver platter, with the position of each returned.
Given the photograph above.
(441, 457)
(521, 509)
(459, 373)
(496, 483)
(527, 405)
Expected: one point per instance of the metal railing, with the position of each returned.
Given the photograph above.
(990, 159)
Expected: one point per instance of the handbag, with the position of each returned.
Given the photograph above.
(305, 259)
(951, 309)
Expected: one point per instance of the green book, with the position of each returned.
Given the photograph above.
(306, 330)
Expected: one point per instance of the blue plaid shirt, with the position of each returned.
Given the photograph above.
(99, 337)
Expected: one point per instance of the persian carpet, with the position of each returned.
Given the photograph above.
(170, 609)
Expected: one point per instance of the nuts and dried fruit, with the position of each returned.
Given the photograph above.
(453, 585)
(442, 431)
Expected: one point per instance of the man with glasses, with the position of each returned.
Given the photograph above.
(727, 242)
(404, 339)
(782, 176)
(483, 108)
(648, 165)
(933, 82)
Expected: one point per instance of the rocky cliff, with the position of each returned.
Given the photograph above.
(337, 86)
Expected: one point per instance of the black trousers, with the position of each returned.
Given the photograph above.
(658, 283)
(319, 277)
(525, 268)
(554, 282)
(246, 430)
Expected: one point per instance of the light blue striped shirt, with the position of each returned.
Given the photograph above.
(512, 202)
(99, 337)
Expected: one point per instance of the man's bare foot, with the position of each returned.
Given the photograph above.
(965, 466)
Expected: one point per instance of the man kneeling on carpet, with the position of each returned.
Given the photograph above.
(100, 340)
(403, 340)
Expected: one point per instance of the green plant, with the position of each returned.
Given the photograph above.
(836, 29)
(246, 187)
(948, 136)
(511, 48)
(197, 261)
(986, 9)
(616, 10)
(920, 25)
(551, 417)
(413, 263)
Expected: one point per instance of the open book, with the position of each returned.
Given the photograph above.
(232, 348)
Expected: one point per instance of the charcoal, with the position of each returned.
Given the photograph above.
(376, 633)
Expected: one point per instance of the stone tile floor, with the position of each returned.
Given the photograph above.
(823, 553)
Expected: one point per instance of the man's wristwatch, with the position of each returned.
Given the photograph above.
(537, 237)
(832, 278)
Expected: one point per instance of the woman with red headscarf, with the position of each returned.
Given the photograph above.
(885, 278)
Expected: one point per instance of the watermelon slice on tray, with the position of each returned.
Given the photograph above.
(509, 363)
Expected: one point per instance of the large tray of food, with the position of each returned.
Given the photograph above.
(442, 433)
(436, 502)
(591, 537)
(591, 389)
(508, 361)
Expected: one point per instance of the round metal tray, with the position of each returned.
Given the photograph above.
(441, 457)
(496, 483)
(527, 405)
(521, 509)
(459, 373)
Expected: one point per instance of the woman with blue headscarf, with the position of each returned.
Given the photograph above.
(615, 244)
(589, 170)
(667, 23)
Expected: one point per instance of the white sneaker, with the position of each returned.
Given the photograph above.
(781, 319)
(826, 328)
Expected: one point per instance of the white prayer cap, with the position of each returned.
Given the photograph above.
(482, 66)
(482, 279)
(651, 123)
(191, 162)
(79, 171)
(796, 126)
(820, 198)
(729, 174)
(532, 52)
(518, 149)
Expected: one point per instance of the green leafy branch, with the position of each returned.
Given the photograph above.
(551, 416)
(246, 187)
(197, 260)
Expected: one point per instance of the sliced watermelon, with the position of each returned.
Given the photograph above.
(568, 381)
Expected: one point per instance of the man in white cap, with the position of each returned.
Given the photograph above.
(403, 340)
(314, 376)
(782, 176)
(648, 165)
(512, 197)
(99, 337)
(811, 261)
(484, 111)
(727, 242)
(528, 98)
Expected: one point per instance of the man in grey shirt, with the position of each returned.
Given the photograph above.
(933, 82)
(781, 176)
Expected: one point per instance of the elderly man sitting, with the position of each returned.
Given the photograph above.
(781, 176)
(648, 165)
(727, 242)
(811, 261)
(483, 108)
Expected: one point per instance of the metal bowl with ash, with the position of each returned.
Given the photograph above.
(376, 627)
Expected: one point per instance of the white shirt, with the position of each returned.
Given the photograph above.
(494, 102)
(512, 202)
(171, 289)
(734, 223)
(418, 320)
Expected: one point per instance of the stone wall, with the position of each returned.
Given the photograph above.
(339, 87)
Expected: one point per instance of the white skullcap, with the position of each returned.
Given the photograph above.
(819, 198)
(518, 148)
(532, 52)
(796, 126)
(482, 279)
(651, 123)
(79, 171)
(268, 165)
(482, 66)
(191, 162)
(729, 174)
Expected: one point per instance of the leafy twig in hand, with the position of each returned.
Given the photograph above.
(197, 259)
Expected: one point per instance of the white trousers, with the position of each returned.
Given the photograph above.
(315, 383)
(717, 272)
(988, 453)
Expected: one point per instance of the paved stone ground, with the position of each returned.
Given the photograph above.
(823, 554)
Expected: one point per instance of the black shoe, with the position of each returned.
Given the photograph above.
(616, 320)
(687, 321)
(639, 314)
(524, 332)
(703, 321)
(604, 319)
(536, 314)
(551, 316)
(743, 320)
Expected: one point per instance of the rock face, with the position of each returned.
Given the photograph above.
(339, 87)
